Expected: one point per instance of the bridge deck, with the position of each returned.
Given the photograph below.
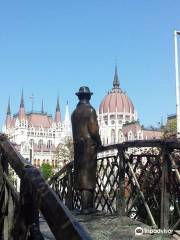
(109, 227)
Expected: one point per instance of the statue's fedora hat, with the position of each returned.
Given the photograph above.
(84, 90)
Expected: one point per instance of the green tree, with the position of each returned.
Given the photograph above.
(170, 128)
(65, 152)
(46, 170)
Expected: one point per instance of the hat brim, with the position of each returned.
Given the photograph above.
(85, 93)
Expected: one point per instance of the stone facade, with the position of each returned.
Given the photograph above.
(37, 134)
(118, 119)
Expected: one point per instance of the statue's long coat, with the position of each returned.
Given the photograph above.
(86, 141)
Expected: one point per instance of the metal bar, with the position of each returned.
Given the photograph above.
(142, 196)
(134, 201)
(121, 204)
(107, 199)
(165, 195)
(177, 83)
(176, 225)
(69, 196)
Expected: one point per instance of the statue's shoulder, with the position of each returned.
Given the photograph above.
(92, 109)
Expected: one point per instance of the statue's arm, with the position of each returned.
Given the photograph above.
(94, 128)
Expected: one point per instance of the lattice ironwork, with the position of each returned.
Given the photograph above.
(140, 179)
(147, 169)
(107, 184)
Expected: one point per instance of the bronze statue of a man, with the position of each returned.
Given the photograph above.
(86, 143)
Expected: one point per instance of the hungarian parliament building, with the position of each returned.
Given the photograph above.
(36, 135)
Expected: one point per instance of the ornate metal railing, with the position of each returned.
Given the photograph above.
(19, 212)
(140, 179)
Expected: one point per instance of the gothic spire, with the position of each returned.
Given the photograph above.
(58, 112)
(8, 108)
(57, 105)
(67, 118)
(22, 114)
(42, 107)
(22, 100)
(8, 115)
(116, 80)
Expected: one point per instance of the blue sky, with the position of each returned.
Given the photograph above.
(48, 47)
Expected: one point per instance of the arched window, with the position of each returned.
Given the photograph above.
(49, 144)
(56, 163)
(31, 142)
(52, 163)
(34, 162)
(38, 163)
(40, 144)
(119, 135)
(130, 136)
(113, 137)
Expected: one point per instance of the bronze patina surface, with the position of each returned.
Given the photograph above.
(86, 143)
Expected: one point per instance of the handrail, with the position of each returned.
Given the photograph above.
(172, 143)
(136, 143)
(117, 173)
(61, 171)
(60, 220)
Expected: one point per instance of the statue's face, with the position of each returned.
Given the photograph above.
(84, 96)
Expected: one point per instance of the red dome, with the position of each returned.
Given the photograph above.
(116, 99)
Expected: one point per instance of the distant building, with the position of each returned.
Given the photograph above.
(118, 119)
(37, 134)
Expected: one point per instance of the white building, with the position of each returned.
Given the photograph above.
(117, 117)
(37, 134)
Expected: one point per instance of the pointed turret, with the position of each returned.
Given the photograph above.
(116, 80)
(42, 107)
(9, 108)
(58, 112)
(8, 115)
(22, 100)
(22, 114)
(67, 118)
(57, 105)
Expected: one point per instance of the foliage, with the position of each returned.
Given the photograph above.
(170, 128)
(65, 152)
(46, 170)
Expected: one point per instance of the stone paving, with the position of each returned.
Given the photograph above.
(108, 227)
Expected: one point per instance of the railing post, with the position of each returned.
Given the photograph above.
(120, 197)
(165, 190)
(69, 196)
(29, 212)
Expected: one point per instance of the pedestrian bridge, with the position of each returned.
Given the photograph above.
(137, 185)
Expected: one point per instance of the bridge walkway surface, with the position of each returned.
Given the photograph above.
(140, 179)
(110, 227)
